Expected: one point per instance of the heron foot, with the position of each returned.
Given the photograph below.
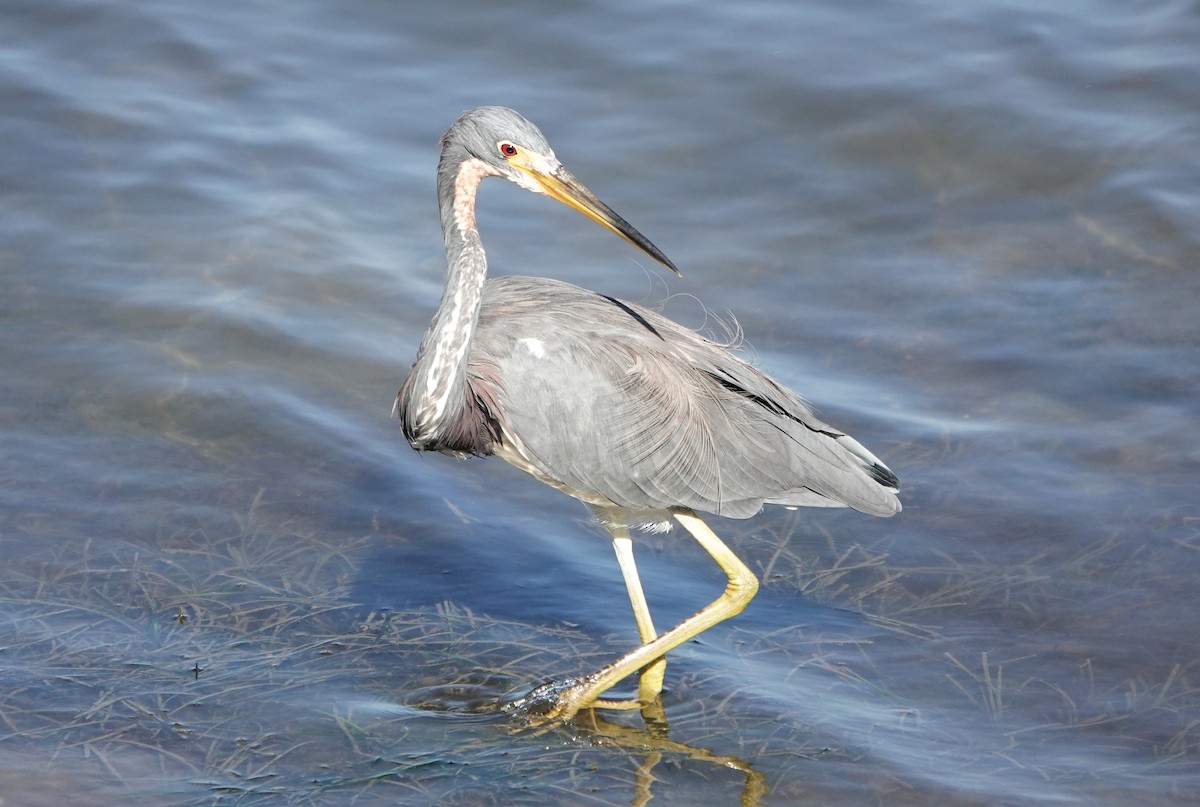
(650, 682)
(562, 700)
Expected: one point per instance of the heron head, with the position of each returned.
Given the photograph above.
(515, 149)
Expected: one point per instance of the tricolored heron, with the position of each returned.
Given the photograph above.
(638, 417)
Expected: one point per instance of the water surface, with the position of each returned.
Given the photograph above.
(966, 232)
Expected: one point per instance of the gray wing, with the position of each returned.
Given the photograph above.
(610, 398)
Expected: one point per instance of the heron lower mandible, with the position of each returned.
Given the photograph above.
(640, 418)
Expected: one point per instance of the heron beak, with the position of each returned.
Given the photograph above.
(559, 184)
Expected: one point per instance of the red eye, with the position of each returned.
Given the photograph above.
(508, 149)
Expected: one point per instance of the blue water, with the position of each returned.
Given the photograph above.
(966, 232)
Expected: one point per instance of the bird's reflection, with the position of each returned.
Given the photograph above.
(654, 742)
(475, 694)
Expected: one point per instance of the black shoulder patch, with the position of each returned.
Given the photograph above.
(635, 315)
(766, 403)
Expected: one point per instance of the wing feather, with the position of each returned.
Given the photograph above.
(627, 404)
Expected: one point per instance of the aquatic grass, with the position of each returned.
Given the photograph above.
(200, 665)
(989, 683)
(235, 668)
(1157, 718)
(192, 665)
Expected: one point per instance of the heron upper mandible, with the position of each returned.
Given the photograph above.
(642, 419)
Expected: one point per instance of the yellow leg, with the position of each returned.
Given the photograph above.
(650, 682)
(738, 592)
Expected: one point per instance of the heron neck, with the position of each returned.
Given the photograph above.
(441, 363)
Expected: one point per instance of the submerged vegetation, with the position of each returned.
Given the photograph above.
(238, 668)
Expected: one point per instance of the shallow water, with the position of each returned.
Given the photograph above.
(966, 232)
